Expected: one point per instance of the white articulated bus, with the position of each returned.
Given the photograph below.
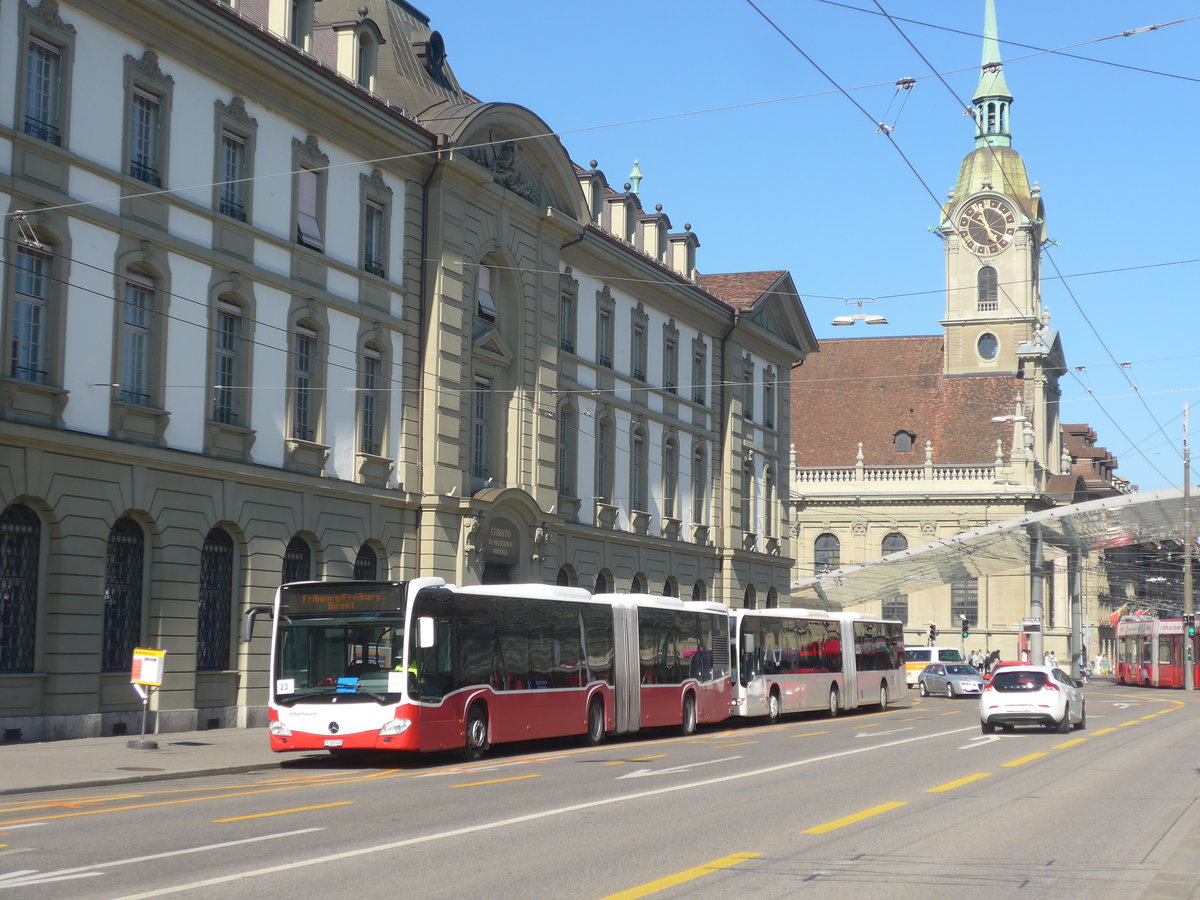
(791, 660)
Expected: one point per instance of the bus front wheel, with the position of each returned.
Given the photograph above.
(833, 702)
(688, 727)
(477, 734)
(774, 706)
(883, 695)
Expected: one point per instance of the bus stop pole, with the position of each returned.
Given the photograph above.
(1075, 585)
(1036, 606)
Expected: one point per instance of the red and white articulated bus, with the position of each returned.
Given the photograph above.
(793, 660)
(1152, 652)
(422, 665)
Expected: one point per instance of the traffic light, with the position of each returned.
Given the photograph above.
(932, 632)
(1192, 627)
(966, 629)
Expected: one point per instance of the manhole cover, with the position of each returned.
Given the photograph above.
(140, 769)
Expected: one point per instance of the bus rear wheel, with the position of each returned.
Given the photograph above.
(833, 702)
(688, 728)
(477, 734)
(595, 722)
(883, 695)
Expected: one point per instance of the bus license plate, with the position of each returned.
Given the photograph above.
(333, 742)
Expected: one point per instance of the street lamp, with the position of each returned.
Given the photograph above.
(860, 316)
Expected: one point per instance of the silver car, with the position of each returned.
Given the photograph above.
(951, 679)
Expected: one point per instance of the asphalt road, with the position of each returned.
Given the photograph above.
(910, 802)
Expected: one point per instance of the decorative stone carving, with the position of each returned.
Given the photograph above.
(928, 528)
(47, 13)
(236, 110)
(500, 157)
(148, 66)
(859, 528)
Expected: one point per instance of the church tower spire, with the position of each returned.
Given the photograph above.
(992, 98)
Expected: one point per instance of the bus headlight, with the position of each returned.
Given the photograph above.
(278, 729)
(395, 726)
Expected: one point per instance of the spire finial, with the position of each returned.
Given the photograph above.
(635, 176)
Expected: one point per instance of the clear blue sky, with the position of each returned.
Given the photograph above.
(739, 135)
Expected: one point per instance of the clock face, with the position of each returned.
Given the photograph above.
(987, 225)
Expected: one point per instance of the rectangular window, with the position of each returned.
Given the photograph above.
(135, 340)
(225, 363)
(670, 365)
(144, 138)
(485, 305)
(303, 367)
(479, 427)
(308, 224)
(566, 460)
(699, 377)
(603, 463)
(639, 351)
(43, 66)
(638, 472)
(964, 600)
(233, 174)
(369, 426)
(566, 322)
(769, 398)
(604, 350)
(670, 481)
(373, 237)
(31, 284)
(748, 390)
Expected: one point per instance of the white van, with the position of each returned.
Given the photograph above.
(917, 658)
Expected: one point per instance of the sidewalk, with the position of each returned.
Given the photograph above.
(89, 762)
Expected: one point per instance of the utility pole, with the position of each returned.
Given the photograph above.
(1189, 671)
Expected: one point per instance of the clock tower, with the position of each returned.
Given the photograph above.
(992, 223)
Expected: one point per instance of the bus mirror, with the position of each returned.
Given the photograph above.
(425, 632)
(247, 630)
(748, 643)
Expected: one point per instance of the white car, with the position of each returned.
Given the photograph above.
(1031, 695)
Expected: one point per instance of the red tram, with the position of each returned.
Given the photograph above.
(1152, 652)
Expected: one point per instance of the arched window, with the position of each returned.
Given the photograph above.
(894, 543)
(20, 544)
(638, 585)
(670, 587)
(566, 577)
(214, 620)
(366, 564)
(750, 597)
(297, 561)
(699, 591)
(122, 595)
(903, 441)
(772, 599)
(827, 552)
(989, 295)
(603, 583)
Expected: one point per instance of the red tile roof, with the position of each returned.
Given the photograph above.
(867, 389)
(741, 288)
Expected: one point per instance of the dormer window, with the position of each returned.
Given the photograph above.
(368, 60)
(903, 441)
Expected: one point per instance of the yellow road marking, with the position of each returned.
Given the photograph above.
(1151, 716)
(662, 884)
(1066, 744)
(953, 712)
(810, 734)
(871, 725)
(913, 719)
(621, 762)
(951, 785)
(1130, 722)
(283, 812)
(738, 744)
(496, 781)
(1103, 731)
(856, 817)
(1022, 760)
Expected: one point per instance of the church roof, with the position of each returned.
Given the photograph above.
(868, 389)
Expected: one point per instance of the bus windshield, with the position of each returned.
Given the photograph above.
(335, 656)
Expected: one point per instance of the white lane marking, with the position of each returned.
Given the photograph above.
(642, 773)
(980, 741)
(25, 877)
(863, 734)
(25, 825)
(521, 820)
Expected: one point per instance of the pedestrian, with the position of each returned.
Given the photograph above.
(1053, 662)
(1046, 658)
